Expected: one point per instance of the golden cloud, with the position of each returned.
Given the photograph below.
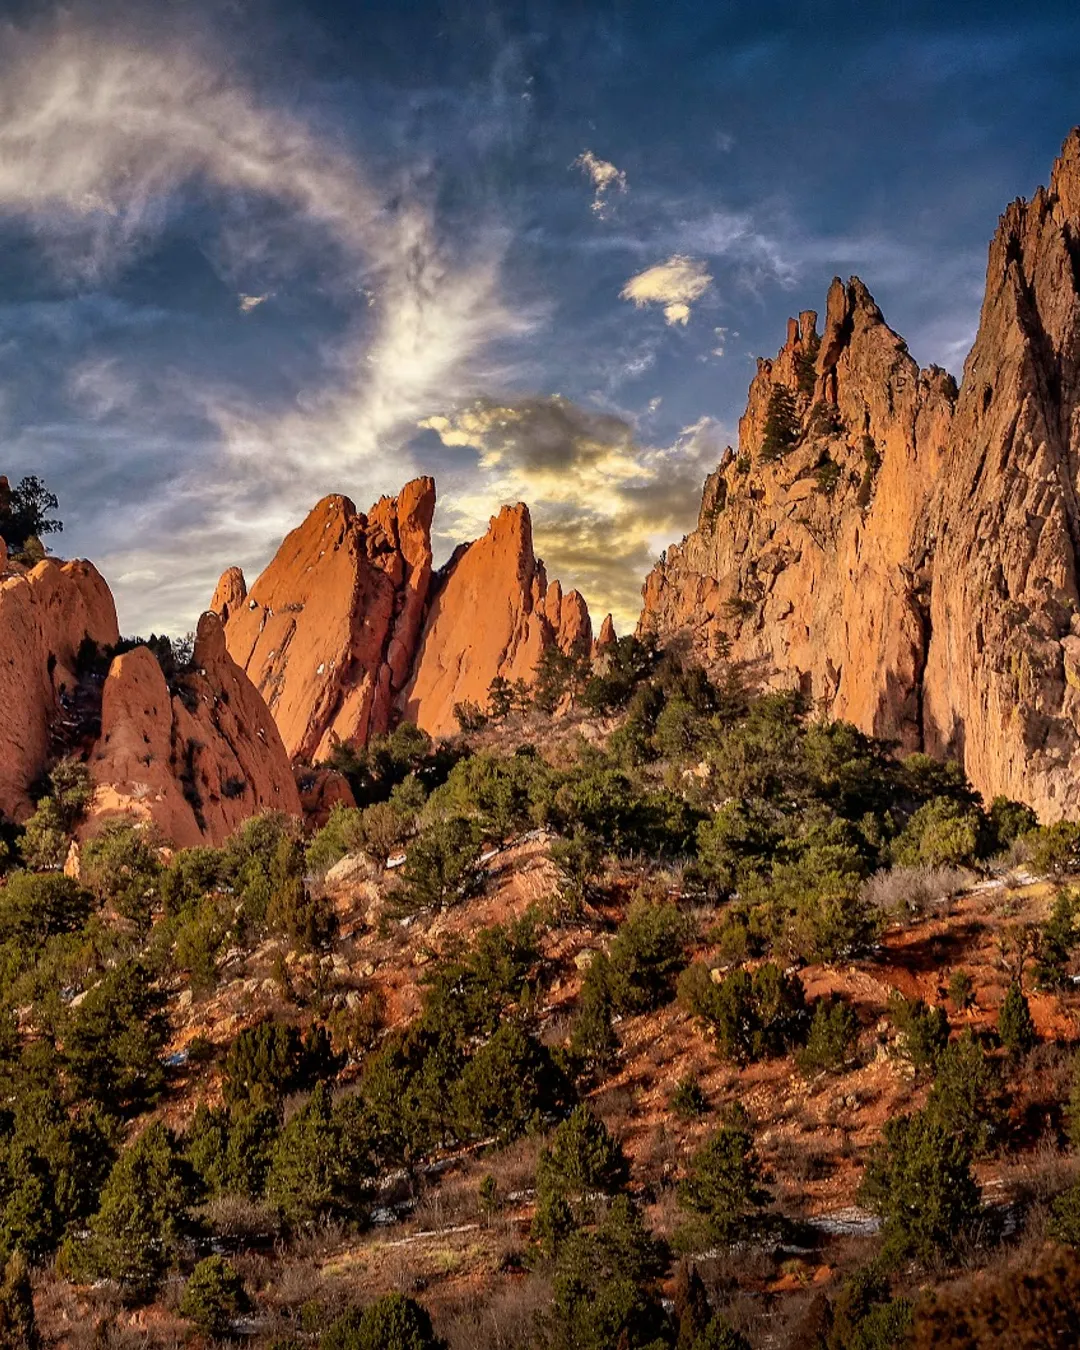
(675, 284)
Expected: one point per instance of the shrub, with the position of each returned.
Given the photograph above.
(593, 1041)
(318, 1168)
(18, 1325)
(918, 1181)
(114, 1038)
(508, 1086)
(142, 1213)
(688, 1100)
(646, 956)
(25, 513)
(264, 1064)
(34, 907)
(578, 858)
(723, 1191)
(45, 840)
(393, 1322)
(924, 1030)
(961, 990)
(752, 1016)
(581, 1165)
(941, 833)
(1058, 939)
(1015, 1025)
(964, 1096)
(214, 1296)
(1054, 850)
(911, 892)
(828, 475)
(121, 867)
(830, 1043)
(1009, 821)
(442, 866)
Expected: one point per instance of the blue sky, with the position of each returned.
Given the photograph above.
(255, 252)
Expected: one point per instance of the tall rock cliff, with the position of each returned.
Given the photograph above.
(328, 632)
(1003, 675)
(808, 561)
(906, 555)
(46, 613)
(493, 614)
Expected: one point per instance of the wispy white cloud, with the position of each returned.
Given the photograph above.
(604, 176)
(248, 303)
(675, 284)
(101, 145)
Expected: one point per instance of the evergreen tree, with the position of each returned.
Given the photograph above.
(723, 1192)
(214, 1296)
(781, 425)
(1015, 1024)
(18, 1326)
(315, 1169)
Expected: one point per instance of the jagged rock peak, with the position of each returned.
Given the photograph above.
(493, 613)
(329, 630)
(229, 594)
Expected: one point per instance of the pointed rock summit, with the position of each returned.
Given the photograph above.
(493, 614)
(903, 553)
(328, 631)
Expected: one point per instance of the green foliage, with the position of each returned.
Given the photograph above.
(593, 1041)
(752, 1015)
(961, 990)
(582, 1165)
(18, 1325)
(688, 1100)
(1054, 850)
(919, 1181)
(865, 1317)
(719, 1334)
(1064, 1223)
(1058, 940)
(143, 1211)
(1015, 1025)
(214, 1296)
(943, 832)
(924, 1030)
(646, 956)
(34, 907)
(1009, 821)
(229, 1151)
(781, 429)
(502, 795)
(120, 865)
(509, 1086)
(442, 867)
(605, 1289)
(871, 465)
(828, 475)
(47, 834)
(393, 1322)
(270, 1060)
(723, 1193)
(318, 1167)
(618, 672)
(114, 1038)
(558, 676)
(500, 698)
(830, 1042)
(469, 716)
(25, 513)
(964, 1098)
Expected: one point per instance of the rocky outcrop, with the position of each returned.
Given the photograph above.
(808, 563)
(195, 761)
(1002, 688)
(229, 594)
(908, 557)
(328, 631)
(46, 614)
(606, 637)
(493, 614)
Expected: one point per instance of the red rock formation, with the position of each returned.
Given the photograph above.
(328, 631)
(321, 789)
(807, 563)
(195, 763)
(493, 614)
(938, 601)
(45, 614)
(1002, 687)
(607, 637)
(229, 594)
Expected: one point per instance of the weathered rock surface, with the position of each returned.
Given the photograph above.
(45, 614)
(1002, 681)
(808, 562)
(229, 594)
(493, 613)
(195, 762)
(328, 631)
(914, 567)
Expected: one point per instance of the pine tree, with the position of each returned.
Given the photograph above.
(1015, 1025)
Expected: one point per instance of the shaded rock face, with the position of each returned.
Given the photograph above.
(929, 591)
(808, 562)
(493, 614)
(45, 614)
(195, 763)
(1003, 675)
(328, 632)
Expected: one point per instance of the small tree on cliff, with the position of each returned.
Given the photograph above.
(781, 425)
(24, 512)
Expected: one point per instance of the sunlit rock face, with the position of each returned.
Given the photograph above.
(909, 559)
(493, 614)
